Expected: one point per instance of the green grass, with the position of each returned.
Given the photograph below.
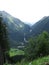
(14, 52)
(39, 61)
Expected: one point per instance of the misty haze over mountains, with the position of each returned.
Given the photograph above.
(19, 32)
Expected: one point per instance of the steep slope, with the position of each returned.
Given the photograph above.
(40, 26)
(17, 30)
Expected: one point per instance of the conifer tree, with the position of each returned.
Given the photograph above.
(4, 46)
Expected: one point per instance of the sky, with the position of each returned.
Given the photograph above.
(28, 11)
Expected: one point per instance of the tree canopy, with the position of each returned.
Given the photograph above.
(38, 46)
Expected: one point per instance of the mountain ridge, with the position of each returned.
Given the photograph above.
(40, 26)
(19, 32)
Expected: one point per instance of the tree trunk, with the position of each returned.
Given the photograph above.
(1, 57)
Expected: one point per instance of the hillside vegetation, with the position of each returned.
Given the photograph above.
(39, 61)
(34, 53)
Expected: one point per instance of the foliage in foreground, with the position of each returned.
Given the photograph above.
(38, 47)
(39, 61)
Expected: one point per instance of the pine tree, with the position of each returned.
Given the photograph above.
(4, 46)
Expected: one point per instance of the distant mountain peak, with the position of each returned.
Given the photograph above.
(40, 26)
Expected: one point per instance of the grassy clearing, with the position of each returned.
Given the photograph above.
(14, 52)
